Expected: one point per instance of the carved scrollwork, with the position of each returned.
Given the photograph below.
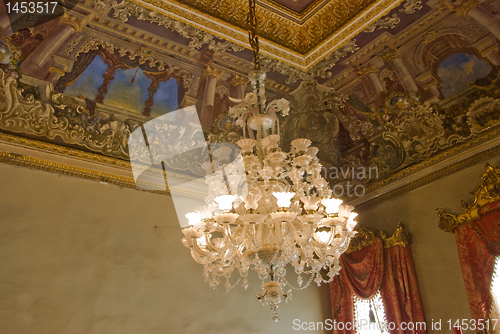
(483, 114)
(64, 117)
(487, 191)
(400, 237)
(363, 238)
(320, 70)
(198, 37)
(387, 22)
(411, 6)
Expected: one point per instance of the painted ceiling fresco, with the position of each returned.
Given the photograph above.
(420, 82)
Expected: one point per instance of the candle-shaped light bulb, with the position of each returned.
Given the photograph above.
(331, 205)
(284, 198)
(225, 202)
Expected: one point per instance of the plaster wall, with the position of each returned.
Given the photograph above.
(434, 251)
(80, 257)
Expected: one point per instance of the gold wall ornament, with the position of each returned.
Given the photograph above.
(363, 238)
(487, 191)
(335, 24)
(400, 237)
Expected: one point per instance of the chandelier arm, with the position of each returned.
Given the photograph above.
(228, 234)
(200, 255)
(223, 247)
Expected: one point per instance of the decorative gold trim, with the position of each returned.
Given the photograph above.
(282, 47)
(365, 237)
(487, 191)
(279, 7)
(367, 70)
(57, 70)
(66, 169)
(400, 237)
(390, 55)
(212, 72)
(466, 6)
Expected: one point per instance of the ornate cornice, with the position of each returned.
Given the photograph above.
(390, 55)
(376, 193)
(400, 237)
(365, 237)
(487, 191)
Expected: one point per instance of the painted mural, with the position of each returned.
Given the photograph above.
(166, 98)
(128, 90)
(459, 71)
(90, 80)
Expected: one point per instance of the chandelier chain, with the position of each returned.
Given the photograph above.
(252, 34)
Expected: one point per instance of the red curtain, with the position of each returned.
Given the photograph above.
(374, 268)
(478, 244)
(399, 289)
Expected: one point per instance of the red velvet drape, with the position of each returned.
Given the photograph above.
(478, 244)
(366, 271)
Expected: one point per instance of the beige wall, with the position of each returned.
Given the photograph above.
(434, 251)
(78, 256)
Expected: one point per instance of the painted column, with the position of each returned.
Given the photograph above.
(431, 84)
(34, 64)
(402, 72)
(211, 76)
(371, 73)
(60, 67)
(433, 89)
(492, 55)
(5, 28)
(240, 87)
(483, 17)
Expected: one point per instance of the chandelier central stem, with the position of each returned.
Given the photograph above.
(252, 34)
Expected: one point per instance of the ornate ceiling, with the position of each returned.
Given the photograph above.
(300, 33)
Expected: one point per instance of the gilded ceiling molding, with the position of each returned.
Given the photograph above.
(69, 170)
(411, 6)
(400, 237)
(375, 193)
(299, 18)
(320, 70)
(198, 37)
(329, 29)
(487, 191)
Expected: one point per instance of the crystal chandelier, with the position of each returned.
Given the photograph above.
(276, 215)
